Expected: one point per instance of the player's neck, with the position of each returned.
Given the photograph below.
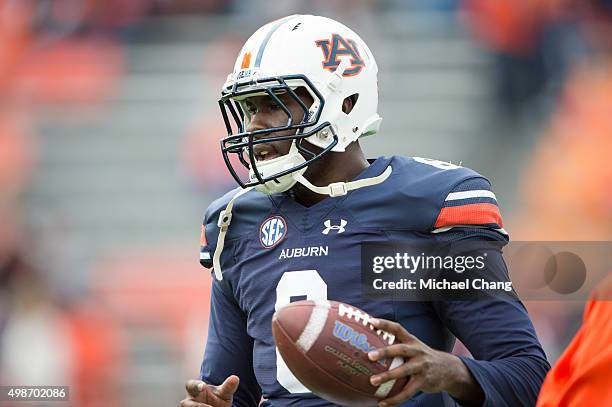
(337, 167)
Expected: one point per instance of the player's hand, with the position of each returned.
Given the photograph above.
(430, 370)
(207, 395)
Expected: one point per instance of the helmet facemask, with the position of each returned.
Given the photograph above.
(275, 175)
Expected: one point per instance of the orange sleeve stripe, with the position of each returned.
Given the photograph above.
(471, 214)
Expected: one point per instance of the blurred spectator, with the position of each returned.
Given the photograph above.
(44, 343)
(511, 29)
(533, 41)
(35, 348)
(567, 188)
(507, 26)
(7, 271)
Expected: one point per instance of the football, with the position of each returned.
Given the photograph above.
(325, 344)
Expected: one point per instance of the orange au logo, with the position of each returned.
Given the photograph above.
(338, 47)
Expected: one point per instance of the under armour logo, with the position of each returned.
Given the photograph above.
(338, 228)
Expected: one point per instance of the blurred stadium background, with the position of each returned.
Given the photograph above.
(109, 155)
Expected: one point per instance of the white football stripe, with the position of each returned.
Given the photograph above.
(315, 325)
(205, 256)
(480, 193)
(384, 389)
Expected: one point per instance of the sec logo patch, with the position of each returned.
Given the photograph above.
(273, 230)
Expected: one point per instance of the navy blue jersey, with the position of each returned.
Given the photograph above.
(278, 251)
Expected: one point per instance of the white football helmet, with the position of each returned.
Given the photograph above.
(326, 58)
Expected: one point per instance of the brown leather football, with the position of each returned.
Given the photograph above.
(325, 344)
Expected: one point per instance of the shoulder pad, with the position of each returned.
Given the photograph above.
(411, 198)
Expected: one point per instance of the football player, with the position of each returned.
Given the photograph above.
(581, 376)
(302, 92)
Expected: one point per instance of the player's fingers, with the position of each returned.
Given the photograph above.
(405, 369)
(194, 387)
(394, 328)
(405, 350)
(413, 385)
(227, 389)
(192, 403)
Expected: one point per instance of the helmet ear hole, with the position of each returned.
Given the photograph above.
(348, 104)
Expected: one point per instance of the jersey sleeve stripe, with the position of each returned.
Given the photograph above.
(492, 226)
(460, 202)
(481, 193)
(205, 257)
(471, 214)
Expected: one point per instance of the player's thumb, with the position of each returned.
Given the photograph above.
(227, 389)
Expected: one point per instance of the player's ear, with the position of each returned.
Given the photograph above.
(349, 103)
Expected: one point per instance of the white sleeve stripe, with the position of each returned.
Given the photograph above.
(205, 256)
(481, 193)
